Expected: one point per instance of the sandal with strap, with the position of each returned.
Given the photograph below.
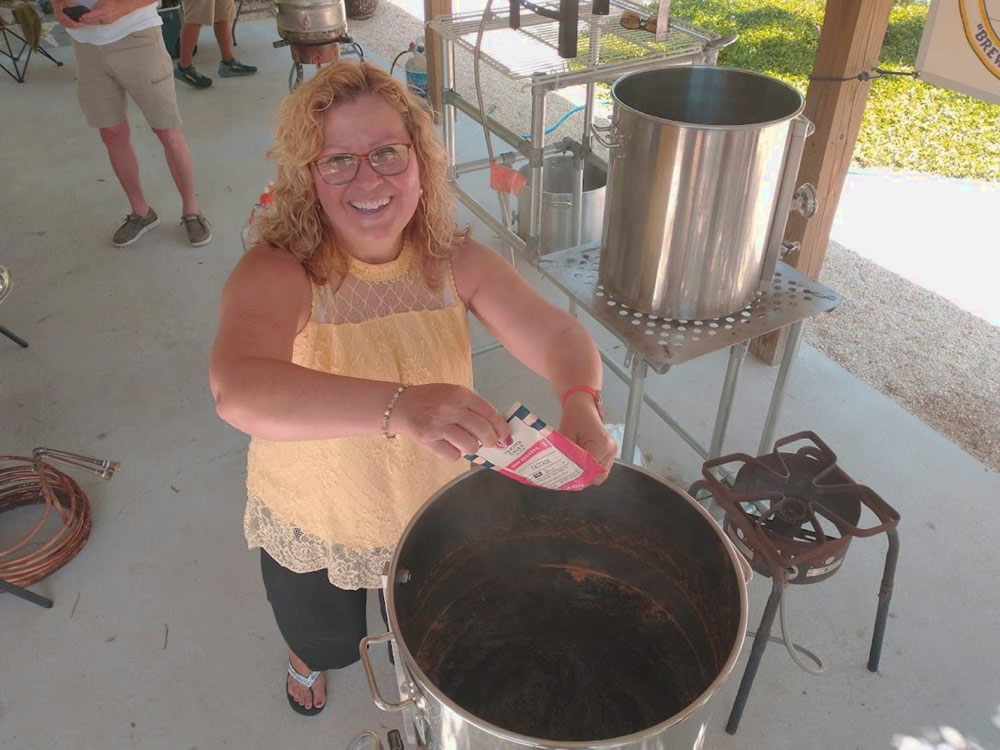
(305, 682)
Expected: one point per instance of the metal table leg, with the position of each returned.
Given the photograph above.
(778, 394)
(756, 654)
(536, 161)
(636, 391)
(737, 355)
(14, 337)
(446, 51)
(23, 593)
(884, 596)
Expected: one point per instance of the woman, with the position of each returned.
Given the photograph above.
(343, 350)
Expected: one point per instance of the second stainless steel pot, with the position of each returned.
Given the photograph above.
(557, 204)
(702, 168)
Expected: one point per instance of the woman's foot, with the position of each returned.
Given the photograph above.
(311, 699)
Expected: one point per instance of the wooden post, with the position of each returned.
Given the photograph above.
(850, 42)
(432, 9)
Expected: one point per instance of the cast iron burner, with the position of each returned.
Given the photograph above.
(792, 515)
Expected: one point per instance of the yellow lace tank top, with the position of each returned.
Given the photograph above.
(342, 504)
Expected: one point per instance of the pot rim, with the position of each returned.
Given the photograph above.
(425, 684)
(698, 126)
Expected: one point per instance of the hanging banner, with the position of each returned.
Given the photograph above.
(960, 48)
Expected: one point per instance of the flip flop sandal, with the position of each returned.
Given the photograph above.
(305, 682)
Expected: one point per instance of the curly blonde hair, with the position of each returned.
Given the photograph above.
(298, 222)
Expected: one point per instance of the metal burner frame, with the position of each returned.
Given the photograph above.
(807, 484)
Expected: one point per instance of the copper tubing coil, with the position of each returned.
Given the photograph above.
(33, 481)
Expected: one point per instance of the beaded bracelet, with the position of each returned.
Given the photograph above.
(387, 415)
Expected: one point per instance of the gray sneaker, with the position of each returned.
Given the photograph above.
(134, 227)
(199, 231)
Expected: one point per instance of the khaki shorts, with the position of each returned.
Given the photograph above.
(207, 12)
(138, 66)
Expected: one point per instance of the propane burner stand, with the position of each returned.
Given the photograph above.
(793, 515)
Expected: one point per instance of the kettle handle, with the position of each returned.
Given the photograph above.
(379, 701)
(801, 129)
(610, 144)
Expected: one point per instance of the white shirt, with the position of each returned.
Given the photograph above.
(145, 17)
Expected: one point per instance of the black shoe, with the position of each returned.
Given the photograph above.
(235, 68)
(192, 77)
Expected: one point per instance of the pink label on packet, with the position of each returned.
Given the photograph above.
(539, 455)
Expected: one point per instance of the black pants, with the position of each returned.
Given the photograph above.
(321, 624)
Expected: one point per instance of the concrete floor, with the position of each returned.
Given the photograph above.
(161, 638)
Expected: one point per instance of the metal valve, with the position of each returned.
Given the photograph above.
(804, 200)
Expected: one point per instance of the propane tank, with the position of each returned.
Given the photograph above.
(416, 69)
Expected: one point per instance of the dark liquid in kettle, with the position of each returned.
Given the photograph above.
(563, 654)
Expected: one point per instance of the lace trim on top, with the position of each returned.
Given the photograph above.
(347, 567)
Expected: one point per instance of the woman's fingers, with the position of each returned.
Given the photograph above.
(462, 439)
(485, 409)
(443, 450)
(480, 428)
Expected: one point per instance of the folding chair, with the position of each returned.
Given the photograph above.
(7, 50)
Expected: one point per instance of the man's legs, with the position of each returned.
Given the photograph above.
(225, 11)
(189, 38)
(125, 164)
(178, 154)
(175, 148)
(197, 13)
(224, 36)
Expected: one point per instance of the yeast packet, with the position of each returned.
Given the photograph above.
(539, 455)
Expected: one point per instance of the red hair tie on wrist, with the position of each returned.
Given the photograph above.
(594, 394)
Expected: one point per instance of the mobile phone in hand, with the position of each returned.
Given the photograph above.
(76, 11)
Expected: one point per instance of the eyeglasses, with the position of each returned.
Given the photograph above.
(339, 169)
(633, 21)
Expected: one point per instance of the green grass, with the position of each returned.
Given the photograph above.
(908, 125)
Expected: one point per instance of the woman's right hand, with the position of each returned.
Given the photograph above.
(448, 420)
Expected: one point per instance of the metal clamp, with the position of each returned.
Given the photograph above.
(379, 701)
(787, 246)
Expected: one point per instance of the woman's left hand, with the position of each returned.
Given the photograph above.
(582, 423)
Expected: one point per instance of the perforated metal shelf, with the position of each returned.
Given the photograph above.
(532, 50)
(664, 343)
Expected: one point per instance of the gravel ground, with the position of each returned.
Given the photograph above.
(939, 362)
